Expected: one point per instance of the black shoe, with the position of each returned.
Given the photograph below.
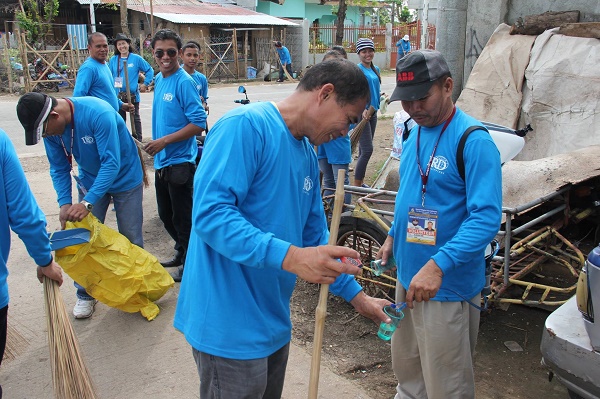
(176, 261)
(177, 275)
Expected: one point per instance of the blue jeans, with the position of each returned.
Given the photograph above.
(288, 67)
(330, 174)
(242, 379)
(130, 217)
(365, 148)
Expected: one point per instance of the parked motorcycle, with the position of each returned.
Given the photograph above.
(49, 80)
(243, 101)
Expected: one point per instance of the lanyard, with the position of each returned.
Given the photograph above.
(425, 176)
(69, 154)
(119, 65)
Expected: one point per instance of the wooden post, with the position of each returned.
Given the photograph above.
(246, 50)
(23, 52)
(142, 45)
(204, 54)
(152, 17)
(236, 62)
(314, 46)
(321, 311)
(9, 69)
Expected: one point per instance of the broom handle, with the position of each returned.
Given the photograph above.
(133, 131)
(321, 310)
(127, 87)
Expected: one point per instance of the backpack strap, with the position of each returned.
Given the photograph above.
(460, 161)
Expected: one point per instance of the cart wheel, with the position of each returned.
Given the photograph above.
(366, 238)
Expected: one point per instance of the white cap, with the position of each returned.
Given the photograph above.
(406, 38)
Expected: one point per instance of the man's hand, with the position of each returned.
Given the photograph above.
(62, 215)
(385, 251)
(425, 284)
(155, 146)
(371, 308)
(75, 213)
(52, 271)
(127, 107)
(319, 264)
(143, 88)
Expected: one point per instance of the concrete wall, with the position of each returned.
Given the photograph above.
(484, 16)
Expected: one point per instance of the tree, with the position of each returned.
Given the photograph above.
(34, 18)
(341, 16)
(124, 20)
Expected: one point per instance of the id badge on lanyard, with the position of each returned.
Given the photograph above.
(422, 225)
(118, 82)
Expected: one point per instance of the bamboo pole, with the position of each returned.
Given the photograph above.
(321, 311)
(236, 61)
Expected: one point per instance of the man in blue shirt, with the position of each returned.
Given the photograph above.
(258, 224)
(177, 118)
(439, 273)
(285, 60)
(88, 130)
(20, 212)
(94, 77)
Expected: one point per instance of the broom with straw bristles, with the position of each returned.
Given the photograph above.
(70, 376)
(358, 129)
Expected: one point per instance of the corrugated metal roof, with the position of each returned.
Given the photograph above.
(261, 19)
(195, 12)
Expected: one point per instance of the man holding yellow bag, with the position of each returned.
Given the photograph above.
(91, 131)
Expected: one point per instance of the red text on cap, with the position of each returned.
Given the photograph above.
(406, 76)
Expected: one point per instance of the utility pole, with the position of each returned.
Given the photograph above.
(424, 25)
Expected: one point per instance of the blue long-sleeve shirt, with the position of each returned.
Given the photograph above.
(176, 104)
(106, 155)
(135, 65)
(256, 192)
(469, 211)
(284, 55)
(94, 79)
(19, 212)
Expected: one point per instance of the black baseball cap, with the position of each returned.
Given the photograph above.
(32, 111)
(416, 72)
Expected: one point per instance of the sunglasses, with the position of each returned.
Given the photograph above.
(170, 52)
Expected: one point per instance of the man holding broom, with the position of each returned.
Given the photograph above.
(258, 224)
(20, 212)
(95, 135)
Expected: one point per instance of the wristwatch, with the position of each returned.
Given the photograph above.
(87, 205)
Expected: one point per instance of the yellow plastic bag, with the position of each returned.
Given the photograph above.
(114, 271)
